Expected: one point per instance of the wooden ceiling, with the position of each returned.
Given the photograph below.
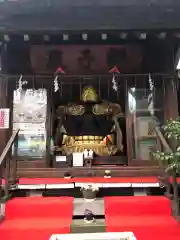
(62, 15)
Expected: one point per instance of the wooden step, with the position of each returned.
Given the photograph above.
(89, 172)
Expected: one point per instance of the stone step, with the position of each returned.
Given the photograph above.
(80, 205)
(80, 226)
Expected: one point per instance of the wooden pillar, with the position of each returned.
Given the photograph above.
(171, 100)
(48, 129)
(5, 98)
(3, 104)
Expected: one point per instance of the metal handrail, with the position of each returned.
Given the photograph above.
(8, 146)
(8, 165)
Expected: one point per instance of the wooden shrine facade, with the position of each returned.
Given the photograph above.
(87, 39)
(132, 95)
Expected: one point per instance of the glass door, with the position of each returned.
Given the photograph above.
(145, 111)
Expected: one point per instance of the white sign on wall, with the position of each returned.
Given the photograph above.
(78, 159)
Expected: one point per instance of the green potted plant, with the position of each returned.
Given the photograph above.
(171, 159)
(89, 192)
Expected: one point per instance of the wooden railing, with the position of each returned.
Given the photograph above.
(165, 145)
(8, 166)
(166, 180)
(70, 86)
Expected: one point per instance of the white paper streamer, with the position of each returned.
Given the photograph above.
(114, 83)
(56, 84)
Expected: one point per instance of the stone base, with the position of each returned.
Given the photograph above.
(80, 226)
(96, 207)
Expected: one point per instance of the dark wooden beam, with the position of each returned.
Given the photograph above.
(89, 16)
(29, 6)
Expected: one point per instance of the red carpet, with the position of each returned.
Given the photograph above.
(90, 179)
(148, 217)
(36, 218)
